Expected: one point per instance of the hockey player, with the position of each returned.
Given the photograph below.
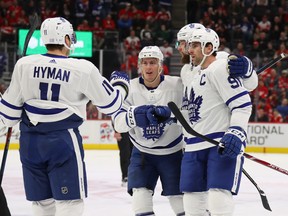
(157, 150)
(218, 106)
(49, 93)
(239, 66)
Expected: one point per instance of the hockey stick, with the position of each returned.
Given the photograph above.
(34, 23)
(190, 130)
(271, 63)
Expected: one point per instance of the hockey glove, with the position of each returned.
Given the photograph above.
(137, 116)
(233, 142)
(158, 114)
(239, 66)
(120, 80)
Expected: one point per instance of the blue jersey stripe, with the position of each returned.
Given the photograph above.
(236, 97)
(10, 105)
(41, 111)
(9, 117)
(196, 140)
(112, 103)
(242, 106)
(172, 144)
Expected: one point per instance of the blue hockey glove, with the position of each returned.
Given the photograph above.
(158, 114)
(137, 116)
(120, 79)
(239, 66)
(233, 142)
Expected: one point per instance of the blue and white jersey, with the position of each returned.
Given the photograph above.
(163, 139)
(188, 71)
(212, 102)
(51, 88)
(249, 83)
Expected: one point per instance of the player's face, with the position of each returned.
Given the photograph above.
(182, 49)
(149, 68)
(195, 52)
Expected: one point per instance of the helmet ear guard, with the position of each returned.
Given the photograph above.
(54, 31)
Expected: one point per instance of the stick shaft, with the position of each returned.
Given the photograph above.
(5, 152)
(190, 130)
(34, 23)
(271, 63)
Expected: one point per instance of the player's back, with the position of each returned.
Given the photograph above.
(51, 87)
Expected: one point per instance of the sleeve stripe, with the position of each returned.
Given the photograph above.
(9, 117)
(235, 97)
(120, 111)
(112, 103)
(242, 106)
(10, 105)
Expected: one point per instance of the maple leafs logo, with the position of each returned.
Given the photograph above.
(194, 104)
(185, 101)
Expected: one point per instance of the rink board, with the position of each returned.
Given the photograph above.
(99, 134)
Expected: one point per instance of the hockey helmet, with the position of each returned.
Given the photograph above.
(204, 36)
(186, 30)
(54, 30)
(151, 52)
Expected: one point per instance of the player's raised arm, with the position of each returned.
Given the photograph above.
(242, 67)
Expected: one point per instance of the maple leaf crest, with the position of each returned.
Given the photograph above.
(194, 105)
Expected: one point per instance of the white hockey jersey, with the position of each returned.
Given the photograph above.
(161, 139)
(212, 102)
(188, 70)
(51, 88)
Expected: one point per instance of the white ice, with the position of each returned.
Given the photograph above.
(106, 197)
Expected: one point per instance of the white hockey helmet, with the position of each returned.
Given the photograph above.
(151, 52)
(187, 30)
(54, 30)
(204, 36)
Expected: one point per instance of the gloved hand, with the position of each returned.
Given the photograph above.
(239, 66)
(233, 142)
(158, 114)
(137, 116)
(120, 80)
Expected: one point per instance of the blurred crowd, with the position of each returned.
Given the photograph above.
(255, 28)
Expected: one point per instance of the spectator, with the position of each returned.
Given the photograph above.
(132, 42)
(239, 49)
(255, 52)
(163, 34)
(247, 29)
(131, 64)
(146, 36)
(149, 13)
(124, 24)
(262, 90)
(283, 108)
(264, 25)
(283, 80)
(275, 117)
(167, 51)
(126, 10)
(138, 23)
(163, 17)
(108, 23)
(84, 26)
(262, 116)
(269, 52)
(272, 80)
